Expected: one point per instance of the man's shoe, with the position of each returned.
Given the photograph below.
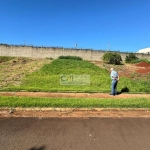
(112, 94)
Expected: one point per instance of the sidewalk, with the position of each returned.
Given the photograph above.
(73, 95)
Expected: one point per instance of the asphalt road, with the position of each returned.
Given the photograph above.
(74, 133)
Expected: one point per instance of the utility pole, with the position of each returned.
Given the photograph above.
(108, 46)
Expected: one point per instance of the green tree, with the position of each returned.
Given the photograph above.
(112, 58)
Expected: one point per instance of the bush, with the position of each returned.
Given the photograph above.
(112, 58)
(131, 58)
(70, 57)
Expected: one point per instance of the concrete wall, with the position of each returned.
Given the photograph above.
(55, 52)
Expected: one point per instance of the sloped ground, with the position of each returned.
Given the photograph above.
(11, 72)
(129, 70)
(143, 68)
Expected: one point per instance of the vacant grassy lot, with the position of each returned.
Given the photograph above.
(22, 74)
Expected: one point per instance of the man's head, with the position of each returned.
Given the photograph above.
(111, 69)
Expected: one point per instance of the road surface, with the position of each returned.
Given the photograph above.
(74, 133)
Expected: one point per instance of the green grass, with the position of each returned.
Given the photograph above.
(139, 60)
(48, 79)
(26, 102)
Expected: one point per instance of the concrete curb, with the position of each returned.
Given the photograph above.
(73, 109)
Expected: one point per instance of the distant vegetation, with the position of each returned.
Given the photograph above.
(131, 58)
(70, 57)
(112, 58)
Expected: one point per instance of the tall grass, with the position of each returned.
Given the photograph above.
(48, 79)
(139, 60)
(5, 58)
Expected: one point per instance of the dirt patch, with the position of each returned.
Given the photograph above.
(143, 67)
(73, 95)
(128, 70)
(143, 64)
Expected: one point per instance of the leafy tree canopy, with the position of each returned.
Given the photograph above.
(112, 58)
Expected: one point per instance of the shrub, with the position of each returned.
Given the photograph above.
(70, 57)
(112, 58)
(131, 58)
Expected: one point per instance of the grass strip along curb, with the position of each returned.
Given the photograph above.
(28, 102)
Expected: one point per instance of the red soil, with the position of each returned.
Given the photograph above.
(143, 64)
(143, 67)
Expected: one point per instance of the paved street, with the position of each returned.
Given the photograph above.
(74, 133)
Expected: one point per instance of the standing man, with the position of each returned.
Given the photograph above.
(115, 78)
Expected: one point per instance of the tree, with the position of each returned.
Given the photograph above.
(112, 58)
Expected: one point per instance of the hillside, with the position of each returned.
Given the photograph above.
(13, 70)
(24, 74)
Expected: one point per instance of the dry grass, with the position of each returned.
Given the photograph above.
(11, 72)
(126, 70)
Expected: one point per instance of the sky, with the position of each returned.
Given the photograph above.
(116, 25)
